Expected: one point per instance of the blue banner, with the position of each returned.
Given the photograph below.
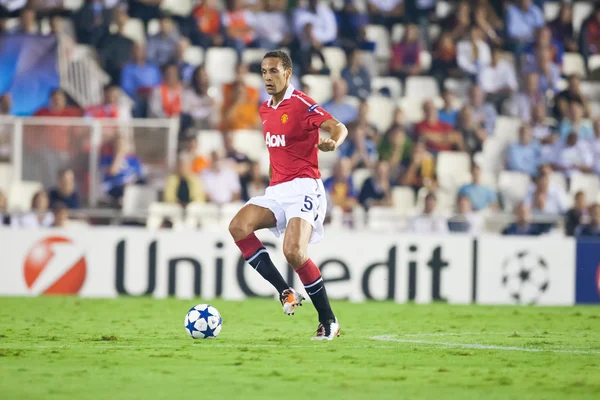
(587, 285)
(28, 70)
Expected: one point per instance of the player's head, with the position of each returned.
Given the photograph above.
(276, 69)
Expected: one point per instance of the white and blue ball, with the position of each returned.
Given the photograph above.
(203, 322)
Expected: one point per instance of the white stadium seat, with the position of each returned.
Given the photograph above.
(253, 56)
(434, 32)
(327, 160)
(73, 4)
(177, 7)
(381, 37)
(134, 30)
(419, 88)
(445, 201)
(335, 58)
(443, 9)
(453, 169)
(137, 199)
(384, 219)
(492, 160)
(413, 109)
(591, 90)
(194, 55)
(381, 112)
(201, 214)
(359, 176)
(250, 142)
(253, 80)
(5, 176)
(594, 62)
(220, 64)
(581, 10)
(588, 183)
(228, 211)
(21, 193)
(513, 187)
(460, 87)
(507, 129)
(551, 9)
(320, 87)
(595, 109)
(153, 27)
(397, 32)
(394, 85)
(573, 63)
(157, 212)
(404, 200)
(208, 141)
(558, 179)
(425, 60)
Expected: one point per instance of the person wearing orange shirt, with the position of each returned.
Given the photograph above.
(239, 25)
(240, 103)
(207, 31)
(165, 101)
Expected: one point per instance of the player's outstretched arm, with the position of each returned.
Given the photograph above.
(337, 132)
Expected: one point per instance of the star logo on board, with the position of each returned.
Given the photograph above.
(284, 118)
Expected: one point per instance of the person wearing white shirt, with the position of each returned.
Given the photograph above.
(473, 54)
(221, 181)
(499, 79)
(271, 25)
(595, 146)
(39, 217)
(555, 195)
(465, 220)
(575, 157)
(428, 222)
(322, 19)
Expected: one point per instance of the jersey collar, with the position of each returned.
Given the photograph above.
(287, 96)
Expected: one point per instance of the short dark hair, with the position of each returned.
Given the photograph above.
(286, 61)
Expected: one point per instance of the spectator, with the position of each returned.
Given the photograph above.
(186, 70)
(138, 80)
(183, 187)
(595, 145)
(60, 215)
(92, 23)
(520, 104)
(351, 20)
(58, 107)
(570, 94)
(386, 13)
(356, 76)
(421, 169)
(239, 25)
(5, 104)
(437, 136)
(65, 192)
(165, 101)
(593, 228)
(473, 134)
(207, 18)
(481, 197)
(575, 157)
(190, 147)
(428, 221)
(443, 63)
(522, 18)
(110, 108)
(405, 59)
(576, 215)
(360, 148)
(305, 50)
(4, 216)
(242, 162)
(485, 18)
(27, 22)
(256, 184)
(547, 139)
(575, 123)
(161, 48)
(363, 121)
(483, 113)
(272, 26)
(523, 225)
(221, 181)
(590, 34)
(144, 9)
(548, 71)
(115, 49)
(562, 28)
(458, 23)
(555, 195)
(473, 54)
(322, 19)
(240, 103)
(448, 113)
(523, 156)
(339, 106)
(197, 104)
(340, 186)
(396, 149)
(376, 190)
(544, 40)
(498, 80)
(539, 205)
(119, 169)
(465, 220)
(39, 217)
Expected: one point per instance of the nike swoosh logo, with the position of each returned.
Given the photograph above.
(264, 121)
(313, 293)
(257, 265)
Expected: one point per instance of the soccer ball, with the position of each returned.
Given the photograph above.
(526, 277)
(203, 322)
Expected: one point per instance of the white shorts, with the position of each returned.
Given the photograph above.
(302, 198)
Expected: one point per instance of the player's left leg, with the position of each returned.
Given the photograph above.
(295, 244)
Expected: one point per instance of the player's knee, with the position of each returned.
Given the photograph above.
(239, 229)
(294, 255)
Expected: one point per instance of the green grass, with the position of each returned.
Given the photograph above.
(131, 348)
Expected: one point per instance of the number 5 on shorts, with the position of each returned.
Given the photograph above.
(308, 204)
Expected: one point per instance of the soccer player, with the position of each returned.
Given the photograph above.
(294, 204)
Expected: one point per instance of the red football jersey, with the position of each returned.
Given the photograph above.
(291, 132)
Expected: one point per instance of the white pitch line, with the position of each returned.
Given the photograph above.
(479, 346)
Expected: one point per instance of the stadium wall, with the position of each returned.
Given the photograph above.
(109, 262)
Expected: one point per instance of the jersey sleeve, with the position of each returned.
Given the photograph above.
(313, 115)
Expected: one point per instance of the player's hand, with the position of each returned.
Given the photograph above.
(326, 144)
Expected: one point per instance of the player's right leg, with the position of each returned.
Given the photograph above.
(242, 227)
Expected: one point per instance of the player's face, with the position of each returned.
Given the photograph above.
(276, 77)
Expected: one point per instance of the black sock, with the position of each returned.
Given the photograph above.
(262, 263)
(318, 295)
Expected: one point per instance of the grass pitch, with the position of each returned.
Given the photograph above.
(137, 348)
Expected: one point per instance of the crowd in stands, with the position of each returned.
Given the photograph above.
(512, 57)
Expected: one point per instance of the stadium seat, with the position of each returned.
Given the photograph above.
(558, 179)
(353, 101)
(381, 37)
(220, 64)
(327, 160)
(413, 110)
(21, 193)
(404, 200)
(573, 64)
(253, 80)
(201, 214)
(397, 33)
(250, 142)
(425, 60)
(419, 88)
(551, 10)
(359, 176)
(394, 85)
(588, 183)
(595, 109)
(153, 27)
(5, 176)
(208, 141)
(594, 62)
(177, 7)
(591, 89)
(137, 199)
(228, 211)
(73, 4)
(253, 56)
(581, 10)
(507, 129)
(434, 32)
(513, 187)
(194, 55)
(335, 58)
(492, 160)
(445, 201)
(453, 168)
(381, 112)
(134, 30)
(384, 219)
(460, 87)
(320, 87)
(443, 9)
(157, 212)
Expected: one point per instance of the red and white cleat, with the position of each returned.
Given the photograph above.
(328, 330)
